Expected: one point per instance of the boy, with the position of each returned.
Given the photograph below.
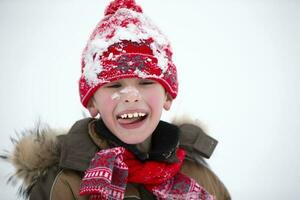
(128, 78)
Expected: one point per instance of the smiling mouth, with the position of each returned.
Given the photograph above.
(130, 118)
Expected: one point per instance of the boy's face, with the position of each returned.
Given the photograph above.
(130, 108)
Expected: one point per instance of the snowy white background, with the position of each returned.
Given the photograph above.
(238, 66)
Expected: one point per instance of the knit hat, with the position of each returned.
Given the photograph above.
(126, 44)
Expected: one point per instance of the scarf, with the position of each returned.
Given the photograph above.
(111, 169)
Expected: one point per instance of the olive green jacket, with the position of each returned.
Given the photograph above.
(52, 165)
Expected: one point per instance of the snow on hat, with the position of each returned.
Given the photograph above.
(126, 44)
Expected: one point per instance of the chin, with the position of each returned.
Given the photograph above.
(133, 138)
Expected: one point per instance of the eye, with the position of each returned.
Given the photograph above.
(113, 85)
(147, 82)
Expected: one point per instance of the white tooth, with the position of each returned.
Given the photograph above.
(135, 114)
(130, 115)
(124, 116)
(142, 114)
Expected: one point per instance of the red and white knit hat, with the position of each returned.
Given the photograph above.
(126, 44)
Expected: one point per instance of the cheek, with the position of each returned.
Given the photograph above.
(115, 96)
(107, 102)
(156, 99)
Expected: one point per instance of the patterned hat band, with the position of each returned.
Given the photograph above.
(131, 65)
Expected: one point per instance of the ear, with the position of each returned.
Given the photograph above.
(92, 108)
(168, 102)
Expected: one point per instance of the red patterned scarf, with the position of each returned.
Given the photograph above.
(111, 169)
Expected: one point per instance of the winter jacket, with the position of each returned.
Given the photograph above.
(52, 164)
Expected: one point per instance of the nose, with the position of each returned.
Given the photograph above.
(131, 99)
(130, 95)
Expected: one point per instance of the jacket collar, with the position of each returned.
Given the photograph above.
(164, 141)
(88, 136)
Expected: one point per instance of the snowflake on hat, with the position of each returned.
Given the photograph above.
(126, 44)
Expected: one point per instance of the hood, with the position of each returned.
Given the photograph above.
(35, 151)
(194, 139)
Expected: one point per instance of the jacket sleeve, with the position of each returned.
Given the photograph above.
(206, 178)
(41, 189)
(198, 145)
(57, 185)
(66, 186)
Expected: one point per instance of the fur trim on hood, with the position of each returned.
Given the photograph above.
(185, 119)
(37, 150)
